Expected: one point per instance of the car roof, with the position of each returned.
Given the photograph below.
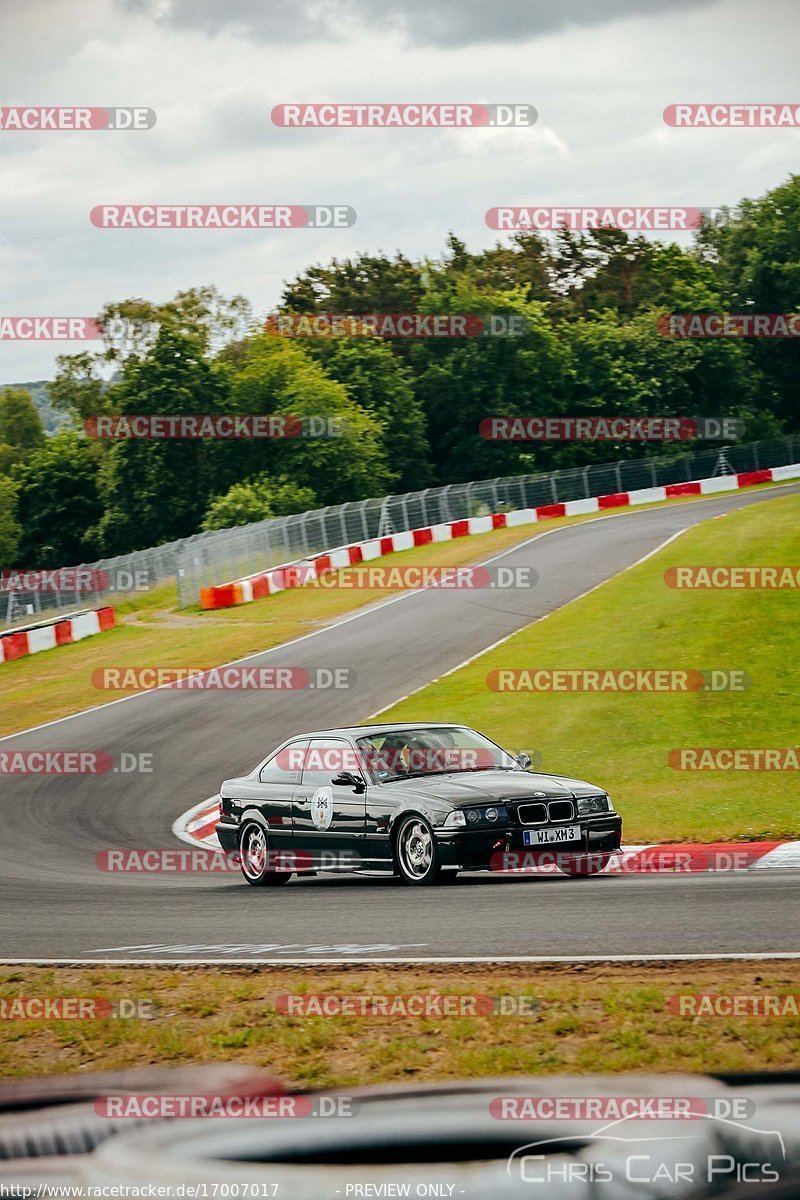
(364, 730)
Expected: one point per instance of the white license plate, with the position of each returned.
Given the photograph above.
(545, 837)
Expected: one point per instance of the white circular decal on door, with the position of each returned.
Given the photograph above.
(322, 807)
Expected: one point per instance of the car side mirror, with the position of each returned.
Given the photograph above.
(524, 760)
(348, 779)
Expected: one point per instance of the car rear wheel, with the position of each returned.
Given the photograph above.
(254, 858)
(416, 854)
(582, 866)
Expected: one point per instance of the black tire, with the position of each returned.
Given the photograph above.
(583, 866)
(254, 858)
(416, 855)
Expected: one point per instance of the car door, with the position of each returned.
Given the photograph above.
(273, 790)
(328, 818)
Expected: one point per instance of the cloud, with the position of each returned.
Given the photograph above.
(442, 23)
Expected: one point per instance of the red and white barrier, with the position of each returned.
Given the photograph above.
(18, 643)
(295, 574)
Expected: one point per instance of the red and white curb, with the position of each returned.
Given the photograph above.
(661, 858)
(302, 571)
(197, 825)
(60, 631)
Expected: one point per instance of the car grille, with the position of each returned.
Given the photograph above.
(540, 814)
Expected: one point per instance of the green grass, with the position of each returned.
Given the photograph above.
(586, 1019)
(622, 741)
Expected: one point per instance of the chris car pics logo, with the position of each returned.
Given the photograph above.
(608, 1156)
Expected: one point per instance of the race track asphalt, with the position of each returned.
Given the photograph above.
(56, 905)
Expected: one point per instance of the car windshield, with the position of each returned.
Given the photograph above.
(434, 750)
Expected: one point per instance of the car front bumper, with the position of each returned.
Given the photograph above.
(478, 849)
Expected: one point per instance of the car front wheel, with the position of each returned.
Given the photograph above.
(255, 860)
(416, 853)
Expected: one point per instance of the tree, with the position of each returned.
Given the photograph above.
(380, 384)
(9, 525)
(755, 254)
(131, 327)
(257, 500)
(365, 284)
(59, 503)
(157, 490)
(271, 376)
(20, 426)
(78, 388)
(461, 382)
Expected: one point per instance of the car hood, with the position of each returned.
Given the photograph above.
(460, 789)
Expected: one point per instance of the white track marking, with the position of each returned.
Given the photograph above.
(759, 956)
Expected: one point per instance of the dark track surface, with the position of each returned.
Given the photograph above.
(56, 904)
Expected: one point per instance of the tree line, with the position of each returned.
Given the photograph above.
(409, 409)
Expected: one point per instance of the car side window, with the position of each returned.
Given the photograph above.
(285, 765)
(325, 759)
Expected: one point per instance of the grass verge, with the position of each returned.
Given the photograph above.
(586, 1018)
(623, 740)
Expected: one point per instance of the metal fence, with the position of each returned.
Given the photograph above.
(226, 554)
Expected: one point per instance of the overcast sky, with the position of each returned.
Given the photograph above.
(599, 74)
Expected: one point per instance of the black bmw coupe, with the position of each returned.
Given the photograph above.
(419, 801)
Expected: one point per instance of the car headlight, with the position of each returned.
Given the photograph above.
(486, 816)
(592, 804)
(455, 818)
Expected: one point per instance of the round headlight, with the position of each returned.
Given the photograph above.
(472, 816)
(491, 814)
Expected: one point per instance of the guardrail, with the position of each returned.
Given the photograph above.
(306, 570)
(205, 558)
